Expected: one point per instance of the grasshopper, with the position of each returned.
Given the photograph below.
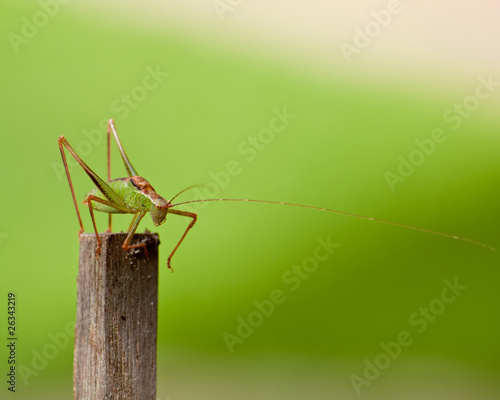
(135, 195)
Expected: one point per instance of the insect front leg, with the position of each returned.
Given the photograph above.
(193, 217)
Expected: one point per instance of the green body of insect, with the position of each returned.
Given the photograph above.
(134, 195)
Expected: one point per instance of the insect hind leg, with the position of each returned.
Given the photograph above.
(62, 142)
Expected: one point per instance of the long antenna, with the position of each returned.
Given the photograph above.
(348, 214)
(186, 189)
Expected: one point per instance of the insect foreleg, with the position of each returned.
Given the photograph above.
(193, 217)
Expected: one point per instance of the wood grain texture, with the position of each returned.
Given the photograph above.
(116, 322)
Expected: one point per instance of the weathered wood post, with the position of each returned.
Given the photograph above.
(116, 319)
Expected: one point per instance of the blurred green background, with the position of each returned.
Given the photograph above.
(353, 122)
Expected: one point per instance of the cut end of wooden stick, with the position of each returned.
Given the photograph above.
(116, 239)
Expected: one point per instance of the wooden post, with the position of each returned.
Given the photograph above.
(116, 319)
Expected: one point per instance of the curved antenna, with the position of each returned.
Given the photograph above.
(186, 189)
(348, 214)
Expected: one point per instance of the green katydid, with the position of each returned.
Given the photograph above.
(134, 195)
